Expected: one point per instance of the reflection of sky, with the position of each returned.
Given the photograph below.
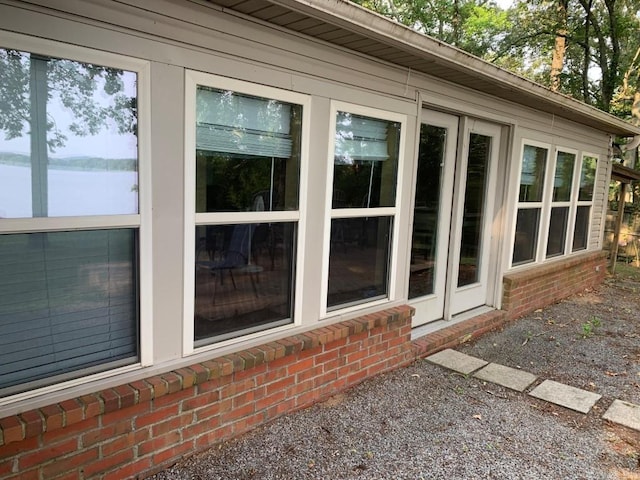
(107, 144)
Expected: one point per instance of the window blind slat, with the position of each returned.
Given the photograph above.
(74, 309)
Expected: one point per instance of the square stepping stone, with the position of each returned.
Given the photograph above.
(566, 396)
(456, 361)
(506, 376)
(624, 413)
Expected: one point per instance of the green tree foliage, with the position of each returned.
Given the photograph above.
(600, 40)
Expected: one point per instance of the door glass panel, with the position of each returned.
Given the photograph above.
(425, 216)
(474, 202)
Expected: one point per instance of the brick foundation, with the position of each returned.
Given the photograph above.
(136, 429)
(537, 287)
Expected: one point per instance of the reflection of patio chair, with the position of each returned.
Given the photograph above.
(237, 257)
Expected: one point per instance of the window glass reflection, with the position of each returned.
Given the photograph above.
(563, 177)
(425, 216)
(366, 162)
(534, 161)
(587, 178)
(524, 249)
(244, 278)
(557, 231)
(68, 138)
(358, 260)
(581, 231)
(247, 152)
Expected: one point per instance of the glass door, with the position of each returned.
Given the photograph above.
(471, 232)
(432, 215)
(453, 216)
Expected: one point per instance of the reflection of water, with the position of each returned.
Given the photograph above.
(71, 192)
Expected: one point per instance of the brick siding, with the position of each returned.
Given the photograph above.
(527, 290)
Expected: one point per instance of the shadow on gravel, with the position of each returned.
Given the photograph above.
(424, 422)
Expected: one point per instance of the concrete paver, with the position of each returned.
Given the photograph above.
(566, 396)
(624, 413)
(508, 377)
(459, 362)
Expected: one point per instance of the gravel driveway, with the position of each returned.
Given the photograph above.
(425, 422)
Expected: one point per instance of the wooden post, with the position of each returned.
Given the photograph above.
(616, 231)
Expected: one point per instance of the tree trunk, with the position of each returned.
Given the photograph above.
(560, 46)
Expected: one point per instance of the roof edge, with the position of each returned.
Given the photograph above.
(365, 22)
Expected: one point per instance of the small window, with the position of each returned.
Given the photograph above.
(245, 190)
(364, 187)
(560, 203)
(585, 202)
(532, 177)
(69, 302)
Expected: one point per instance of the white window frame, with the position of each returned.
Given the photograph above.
(531, 205)
(331, 213)
(192, 219)
(140, 221)
(583, 203)
(547, 204)
(550, 204)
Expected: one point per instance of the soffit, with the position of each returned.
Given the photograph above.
(347, 25)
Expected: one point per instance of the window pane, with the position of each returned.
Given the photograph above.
(425, 216)
(248, 152)
(534, 161)
(563, 177)
(244, 279)
(587, 178)
(557, 231)
(67, 305)
(526, 240)
(581, 231)
(366, 162)
(358, 260)
(68, 143)
(474, 203)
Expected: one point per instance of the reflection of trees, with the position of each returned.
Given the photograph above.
(563, 177)
(28, 82)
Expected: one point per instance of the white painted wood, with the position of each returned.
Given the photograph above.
(476, 294)
(431, 307)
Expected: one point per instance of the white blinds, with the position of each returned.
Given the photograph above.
(67, 304)
(360, 138)
(228, 122)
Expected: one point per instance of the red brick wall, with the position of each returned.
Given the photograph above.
(530, 289)
(138, 428)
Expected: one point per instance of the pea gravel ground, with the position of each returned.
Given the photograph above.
(425, 422)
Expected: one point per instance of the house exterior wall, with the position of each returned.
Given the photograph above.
(180, 398)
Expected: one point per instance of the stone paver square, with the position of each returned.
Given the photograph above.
(506, 376)
(459, 362)
(624, 413)
(566, 396)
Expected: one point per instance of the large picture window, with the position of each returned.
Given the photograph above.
(365, 161)
(243, 174)
(70, 219)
